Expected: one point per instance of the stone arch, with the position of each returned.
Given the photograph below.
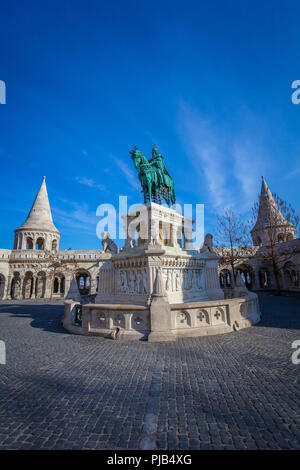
(40, 287)
(83, 278)
(291, 274)
(247, 275)
(225, 279)
(55, 285)
(62, 285)
(58, 284)
(183, 319)
(28, 285)
(289, 237)
(281, 238)
(40, 243)
(2, 286)
(264, 278)
(29, 243)
(54, 245)
(15, 288)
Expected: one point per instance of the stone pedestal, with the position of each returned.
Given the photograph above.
(157, 269)
(154, 236)
(212, 282)
(160, 313)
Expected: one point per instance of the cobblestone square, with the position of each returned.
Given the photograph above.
(233, 391)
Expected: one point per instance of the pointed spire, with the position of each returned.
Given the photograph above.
(40, 216)
(268, 209)
(73, 293)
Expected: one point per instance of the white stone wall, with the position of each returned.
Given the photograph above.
(252, 259)
(32, 273)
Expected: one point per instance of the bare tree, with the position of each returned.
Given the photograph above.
(232, 237)
(276, 222)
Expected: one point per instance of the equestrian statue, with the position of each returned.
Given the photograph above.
(157, 184)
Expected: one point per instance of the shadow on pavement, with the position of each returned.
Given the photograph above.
(44, 316)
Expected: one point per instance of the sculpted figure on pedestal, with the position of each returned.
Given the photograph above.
(108, 244)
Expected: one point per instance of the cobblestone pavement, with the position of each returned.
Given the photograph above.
(233, 391)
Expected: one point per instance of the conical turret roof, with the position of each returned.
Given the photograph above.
(73, 293)
(268, 210)
(40, 217)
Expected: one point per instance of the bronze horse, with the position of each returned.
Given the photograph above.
(154, 177)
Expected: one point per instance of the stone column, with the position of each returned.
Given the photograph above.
(106, 283)
(7, 287)
(284, 284)
(33, 293)
(160, 312)
(49, 286)
(272, 279)
(154, 230)
(19, 241)
(59, 285)
(188, 234)
(22, 291)
(68, 280)
(174, 234)
(127, 321)
(129, 235)
(211, 279)
(93, 285)
(255, 280)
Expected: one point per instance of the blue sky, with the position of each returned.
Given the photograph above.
(209, 82)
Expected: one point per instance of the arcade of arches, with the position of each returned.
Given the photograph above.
(261, 277)
(39, 285)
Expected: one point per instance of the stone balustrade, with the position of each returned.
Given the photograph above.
(187, 319)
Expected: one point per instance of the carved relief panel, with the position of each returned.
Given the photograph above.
(132, 281)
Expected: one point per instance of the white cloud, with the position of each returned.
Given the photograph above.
(293, 173)
(128, 173)
(205, 150)
(231, 164)
(77, 217)
(248, 165)
(90, 183)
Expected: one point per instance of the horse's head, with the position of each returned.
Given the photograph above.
(137, 157)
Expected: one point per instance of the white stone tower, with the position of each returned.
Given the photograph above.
(38, 232)
(270, 221)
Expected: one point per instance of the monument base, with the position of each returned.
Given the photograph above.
(159, 290)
